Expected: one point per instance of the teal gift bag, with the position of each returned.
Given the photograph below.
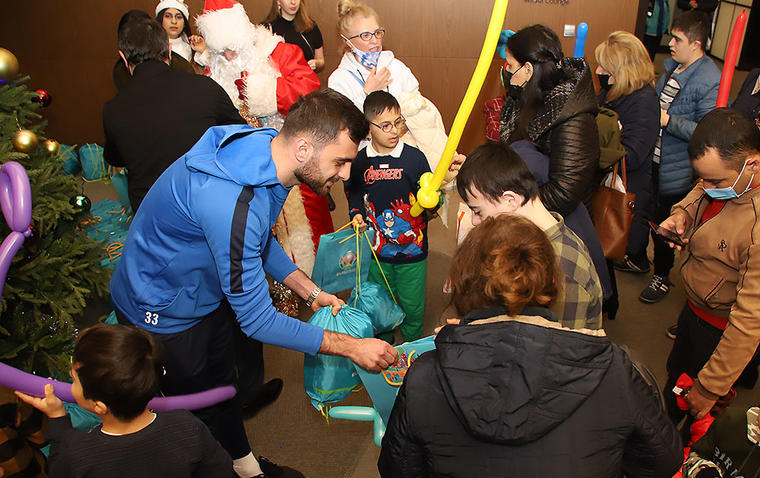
(94, 167)
(119, 181)
(70, 160)
(375, 301)
(341, 256)
(329, 378)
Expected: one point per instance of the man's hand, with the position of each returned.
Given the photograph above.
(370, 354)
(664, 118)
(676, 223)
(50, 405)
(374, 354)
(693, 4)
(699, 405)
(378, 80)
(359, 224)
(456, 162)
(197, 43)
(327, 300)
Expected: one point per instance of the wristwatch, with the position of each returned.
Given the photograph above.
(313, 296)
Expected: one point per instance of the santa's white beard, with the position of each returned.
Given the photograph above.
(261, 82)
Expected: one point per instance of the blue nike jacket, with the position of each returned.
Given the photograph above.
(203, 234)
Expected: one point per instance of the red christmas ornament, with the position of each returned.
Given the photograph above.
(44, 98)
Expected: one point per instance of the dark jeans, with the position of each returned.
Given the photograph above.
(201, 358)
(664, 255)
(638, 237)
(652, 44)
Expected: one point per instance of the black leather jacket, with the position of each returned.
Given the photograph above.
(566, 132)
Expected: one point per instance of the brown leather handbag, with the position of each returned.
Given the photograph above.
(613, 213)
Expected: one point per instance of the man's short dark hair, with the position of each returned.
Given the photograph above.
(131, 15)
(118, 365)
(142, 40)
(494, 168)
(379, 101)
(323, 114)
(695, 25)
(733, 136)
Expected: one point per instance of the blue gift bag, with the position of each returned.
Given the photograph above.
(329, 378)
(119, 181)
(340, 257)
(383, 388)
(375, 301)
(70, 160)
(94, 167)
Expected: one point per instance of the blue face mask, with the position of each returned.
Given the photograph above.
(366, 58)
(729, 193)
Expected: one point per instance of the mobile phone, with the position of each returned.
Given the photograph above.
(667, 234)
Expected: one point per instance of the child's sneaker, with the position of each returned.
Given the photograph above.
(657, 289)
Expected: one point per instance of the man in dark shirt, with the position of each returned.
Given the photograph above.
(161, 113)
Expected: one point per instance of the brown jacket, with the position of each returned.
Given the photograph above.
(721, 273)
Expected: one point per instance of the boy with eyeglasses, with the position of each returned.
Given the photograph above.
(384, 179)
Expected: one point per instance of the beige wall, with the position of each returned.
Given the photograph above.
(69, 48)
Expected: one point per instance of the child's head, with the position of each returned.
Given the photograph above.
(386, 123)
(495, 180)
(116, 370)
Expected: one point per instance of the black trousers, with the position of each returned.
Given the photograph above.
(664, 255)
(694, 344)
(201, 358)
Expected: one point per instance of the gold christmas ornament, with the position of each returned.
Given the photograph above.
(8, 65)
(51, 146)
(24, 141)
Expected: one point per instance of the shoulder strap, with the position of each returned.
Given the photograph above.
(358, 78)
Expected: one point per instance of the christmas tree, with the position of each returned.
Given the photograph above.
(58, 269)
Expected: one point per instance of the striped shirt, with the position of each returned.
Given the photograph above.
(669, 92)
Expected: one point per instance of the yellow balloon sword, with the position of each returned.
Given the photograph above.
(430, 183)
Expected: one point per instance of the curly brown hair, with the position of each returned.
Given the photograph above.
(505, 261)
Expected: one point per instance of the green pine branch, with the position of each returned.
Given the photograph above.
(54, 275)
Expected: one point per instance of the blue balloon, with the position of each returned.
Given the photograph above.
(580, 40)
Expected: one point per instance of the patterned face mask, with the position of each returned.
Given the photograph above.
(366, 58)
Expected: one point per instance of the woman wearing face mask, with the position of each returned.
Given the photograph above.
(625, 75)
(173, 15)
(291, 20)
(550, 101)
(365, 66)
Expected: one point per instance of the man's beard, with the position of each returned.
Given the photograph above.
(310, 175)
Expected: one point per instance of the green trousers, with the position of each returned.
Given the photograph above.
(407, 282)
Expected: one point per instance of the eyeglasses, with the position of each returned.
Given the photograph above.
(379, 33)
(387, 127)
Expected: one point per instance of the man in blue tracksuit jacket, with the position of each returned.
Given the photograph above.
(201, 242)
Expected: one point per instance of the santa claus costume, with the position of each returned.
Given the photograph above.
(264, 76)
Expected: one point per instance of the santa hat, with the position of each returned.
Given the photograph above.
(178, 4)
(225, 25)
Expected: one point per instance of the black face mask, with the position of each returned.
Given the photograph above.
(513, 91)
(604, 81)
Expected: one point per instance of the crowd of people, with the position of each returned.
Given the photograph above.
(229, 196)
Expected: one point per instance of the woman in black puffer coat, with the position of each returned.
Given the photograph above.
(509, 392)
(550, 101)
